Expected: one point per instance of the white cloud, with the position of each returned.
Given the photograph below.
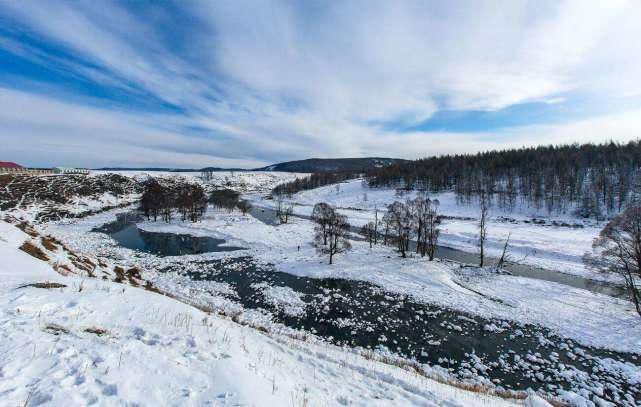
(293, 80)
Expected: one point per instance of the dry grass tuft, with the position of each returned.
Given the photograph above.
(120, 274)
(56, 329)
(46, 284)
(48, 243)
(96, 331)
(62, 269)
(34, 251)
(24, 226)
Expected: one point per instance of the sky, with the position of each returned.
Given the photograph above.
(250, 83)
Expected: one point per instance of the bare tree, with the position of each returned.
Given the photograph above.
(224, 199)
(419, 205)
(484, 206)
(402, 219)
(505, 254)
(617, 249)
(387, 223)
(376, 224)
(369, 231)
(283, 209)
(288, 210)
(207, 174)
(244, 206)
(337, 236)
(430, 228)
(321, 215)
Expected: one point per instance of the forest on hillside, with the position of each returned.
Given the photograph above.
(590, 180)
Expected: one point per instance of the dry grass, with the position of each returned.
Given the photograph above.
(46, 284)
(96, 331)
(24, 226)
(48, 243)
(120, 274)
(62, 269)
(34, 251)
(56, 329)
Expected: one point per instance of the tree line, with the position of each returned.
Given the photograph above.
(590, 180)
(315, 180)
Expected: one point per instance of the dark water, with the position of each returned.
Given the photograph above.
(126, 233)
(359, 314)
(268, 216)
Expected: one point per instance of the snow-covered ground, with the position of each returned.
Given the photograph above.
(95, 341)
(589, 318)
(558, 248)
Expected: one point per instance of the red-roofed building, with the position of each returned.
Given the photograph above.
(8, 164)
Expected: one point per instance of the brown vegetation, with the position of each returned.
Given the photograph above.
(46, 284)
(34, 251)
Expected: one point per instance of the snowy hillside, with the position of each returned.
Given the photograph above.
(88, 341)
(244, 181)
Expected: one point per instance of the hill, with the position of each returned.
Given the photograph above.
(332, 164)
(309, 165)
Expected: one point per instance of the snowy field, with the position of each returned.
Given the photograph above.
(94, 341)
(589, 318)
(137, 333)
(558, 248)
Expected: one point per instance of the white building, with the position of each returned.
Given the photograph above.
(69, 170)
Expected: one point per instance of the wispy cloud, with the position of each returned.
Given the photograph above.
(249, 83)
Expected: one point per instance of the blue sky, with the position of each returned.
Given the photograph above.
(194, 83)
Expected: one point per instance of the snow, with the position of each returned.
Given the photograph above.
(283, 298)
(589, 318)
(96, 341)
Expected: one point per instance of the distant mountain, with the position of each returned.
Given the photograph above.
(332, 164)
(309, 165)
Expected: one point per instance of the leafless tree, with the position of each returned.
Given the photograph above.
(430, 228)
(387, 225)
(402, 221)
(484, 206)
(191, 202)
(283, 209)
(321, 215)
(244, 206)
(224, 199)
(505, 254)
(337, 236)
(617, 249)
(420, 208)
(369, 231)
(376, 224)
(207, 174)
